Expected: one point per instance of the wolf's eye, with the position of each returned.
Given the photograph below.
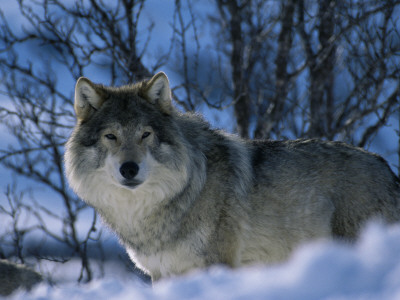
(145, 135)
(110, 136)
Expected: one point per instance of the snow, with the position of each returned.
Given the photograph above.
(369, 269)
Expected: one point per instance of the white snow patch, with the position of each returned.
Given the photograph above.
(370, 269)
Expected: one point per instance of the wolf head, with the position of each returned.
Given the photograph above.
(89, 97)
(126, 138)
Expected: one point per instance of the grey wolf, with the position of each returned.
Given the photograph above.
(14, 276)
(181, 195)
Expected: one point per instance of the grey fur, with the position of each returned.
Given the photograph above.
(13, 277)
(210, 197)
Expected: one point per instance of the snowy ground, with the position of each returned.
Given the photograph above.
(370, 269)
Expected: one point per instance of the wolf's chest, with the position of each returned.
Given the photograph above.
(121, 210)
(169, 262)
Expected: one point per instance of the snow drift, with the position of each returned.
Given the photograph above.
(369, 269)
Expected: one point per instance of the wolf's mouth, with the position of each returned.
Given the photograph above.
(132, 183)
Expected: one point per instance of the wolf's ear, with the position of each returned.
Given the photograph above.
(88, 98)
(158, 92)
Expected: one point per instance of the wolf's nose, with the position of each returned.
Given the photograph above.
(129, 169)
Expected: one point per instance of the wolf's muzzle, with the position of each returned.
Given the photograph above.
(129, 170)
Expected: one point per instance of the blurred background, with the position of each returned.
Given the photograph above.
(279, 69)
